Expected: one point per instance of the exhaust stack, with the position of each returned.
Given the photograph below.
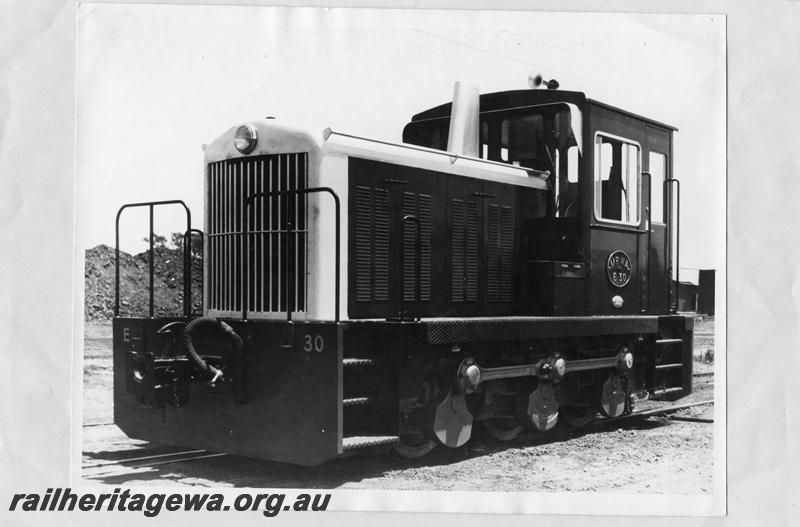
(463, 136)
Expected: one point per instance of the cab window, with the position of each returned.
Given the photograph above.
(542, 140)
(658, 173)
(616, 179)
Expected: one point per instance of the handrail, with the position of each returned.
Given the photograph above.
(418, 263)
(187, 277)
(529, 172)
(677, 232)
(290, 230)
(646, 176)
(187, 247)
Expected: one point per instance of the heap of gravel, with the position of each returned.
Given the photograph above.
(135, 282)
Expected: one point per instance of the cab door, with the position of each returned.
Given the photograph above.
(618, 277)
(657, 162)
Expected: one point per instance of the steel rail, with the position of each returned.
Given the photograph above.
(651, 413)
(142, 458)
(121, 467)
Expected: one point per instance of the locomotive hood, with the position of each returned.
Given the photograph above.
(279, 136)
(272, 135)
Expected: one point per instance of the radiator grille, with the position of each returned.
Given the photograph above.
(464, 245)
(274, 268)
(500, 225)
(372, 244)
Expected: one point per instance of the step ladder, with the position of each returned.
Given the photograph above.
(364, 407)
(669, 367)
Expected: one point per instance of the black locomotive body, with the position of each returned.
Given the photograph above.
(362, 294)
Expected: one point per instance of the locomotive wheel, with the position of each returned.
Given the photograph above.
(578, 416)
(612, 401)
(543, 407)
(412, 447)
(502, 429)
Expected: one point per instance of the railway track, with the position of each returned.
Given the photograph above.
(116, 467)
(144, 461)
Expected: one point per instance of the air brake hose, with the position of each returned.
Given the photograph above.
(205, 366)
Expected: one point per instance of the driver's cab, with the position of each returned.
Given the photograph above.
(543, 138)
(594, 249)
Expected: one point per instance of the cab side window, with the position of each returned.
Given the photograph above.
(658, 173)
(616, 179)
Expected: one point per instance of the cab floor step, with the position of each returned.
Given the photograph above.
(358, 442)
(360, 401)
(671, 366)
(358, 362)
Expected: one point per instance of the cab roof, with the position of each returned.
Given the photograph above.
(507, 100)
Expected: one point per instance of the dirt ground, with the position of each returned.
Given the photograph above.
(658, 455)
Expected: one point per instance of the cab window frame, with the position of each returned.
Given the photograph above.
(493, 148)
(653, 186)
(597, 178)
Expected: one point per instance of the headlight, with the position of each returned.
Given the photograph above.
(245, 139)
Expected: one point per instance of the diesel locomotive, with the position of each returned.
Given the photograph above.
(508, 265)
